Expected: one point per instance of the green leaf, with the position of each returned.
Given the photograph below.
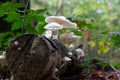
(19, 5)
(4, 38)
(40, 29)
(115, 39)
(10, 6)
(1, 13)
(3, 35)
(13, 16)
(77, 32)
(16, 25)
(1, 52)
(40, 11)
(31, 30)
(40, 18)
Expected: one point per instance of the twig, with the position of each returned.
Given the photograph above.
(114, 68)
(20, 11)
(109, 75)
(110, 66)
(24, 13)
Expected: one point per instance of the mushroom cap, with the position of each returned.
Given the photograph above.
(80, 52)
(53, 26)
(71, 46)
(69, 36)
(66, 58)
(72, 35)
(70, 53)
(61, 20)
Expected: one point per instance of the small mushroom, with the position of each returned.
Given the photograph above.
(80, 53)
(54, 27)
(71, 47)
(66, 59)
(16, 43)
(54, 74)
(70, 54)
(19, 48)
(48, 34)
(61, 20)
(70, 38)
(2, 58)
(4, 53)
(74, 36)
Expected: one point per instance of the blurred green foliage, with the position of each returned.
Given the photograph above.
(98, 16)
(115, 39)
(10, 12)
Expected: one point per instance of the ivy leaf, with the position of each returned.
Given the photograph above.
(16, 25)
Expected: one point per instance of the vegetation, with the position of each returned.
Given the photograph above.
(99, 17)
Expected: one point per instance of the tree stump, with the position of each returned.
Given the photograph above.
(33, 57)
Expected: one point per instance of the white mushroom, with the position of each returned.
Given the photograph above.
(2, 58)
(4, 53)
(48, 34)
(16, 43)
(19, 48)
(70, 38)
(72, 35)
(61, 20)
(66, 59)
(53, 27)
(70, 54)
(71, 47)
(80, 53)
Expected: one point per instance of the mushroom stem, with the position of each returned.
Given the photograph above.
(55, 27)
(58, 35)
(55, 34)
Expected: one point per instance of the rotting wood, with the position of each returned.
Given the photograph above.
(32, 57)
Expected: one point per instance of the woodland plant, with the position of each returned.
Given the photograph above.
(10, 12)
(33, 21)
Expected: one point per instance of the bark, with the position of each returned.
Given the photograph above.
(32, 57)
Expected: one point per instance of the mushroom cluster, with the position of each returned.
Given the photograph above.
(56, 23)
